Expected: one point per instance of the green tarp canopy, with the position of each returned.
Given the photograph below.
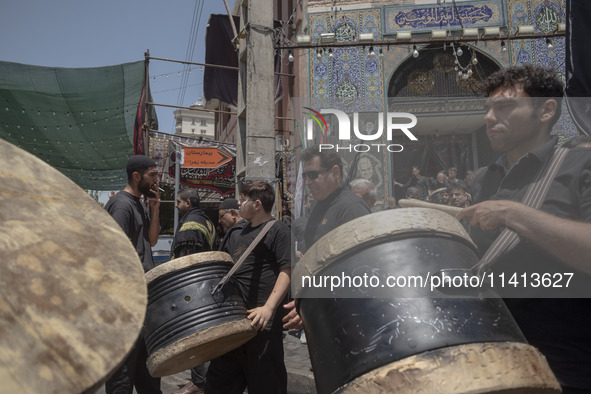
(85, 122)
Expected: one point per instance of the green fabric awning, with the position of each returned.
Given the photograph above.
(82, 121)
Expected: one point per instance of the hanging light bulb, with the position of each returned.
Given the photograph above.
(372, 54)
(459, 52)
(503, 47)
(290, 56)
(415, 52)
(474, 60)
(381, 52)
(330, 55)
(549, 43)
(319, 54)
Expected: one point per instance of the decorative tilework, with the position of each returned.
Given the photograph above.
(544, 15)
(349, 81)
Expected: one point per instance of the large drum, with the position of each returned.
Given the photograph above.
(185, 324)
(372, 337)
(72, 288)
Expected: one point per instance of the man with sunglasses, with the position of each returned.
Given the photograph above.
(335, 204)
(142, 226)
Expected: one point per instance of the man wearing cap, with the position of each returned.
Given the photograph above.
(229, 214)
(142, 226)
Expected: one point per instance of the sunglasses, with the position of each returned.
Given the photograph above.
(314, 174)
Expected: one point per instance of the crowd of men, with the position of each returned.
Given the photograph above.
(522, 107)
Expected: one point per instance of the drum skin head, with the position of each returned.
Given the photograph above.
(185, 262)
(377, 227)
(72, 289)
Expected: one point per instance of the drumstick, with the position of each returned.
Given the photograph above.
(412, 203)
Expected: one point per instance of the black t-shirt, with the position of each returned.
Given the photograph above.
(257, 276)
(131, 214)
(338, 208)
(422, 183)
(556, 326)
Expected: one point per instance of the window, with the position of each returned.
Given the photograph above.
(193, 122)
(193, 131)
(203, 122)
(203, 132)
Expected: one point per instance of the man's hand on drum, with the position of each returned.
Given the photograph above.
(292, 320)
(260, 316)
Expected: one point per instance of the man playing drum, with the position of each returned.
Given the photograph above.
(522, 107)
(263, 280)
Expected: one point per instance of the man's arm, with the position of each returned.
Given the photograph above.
(154, 229)
(568, 240)
(260, 316)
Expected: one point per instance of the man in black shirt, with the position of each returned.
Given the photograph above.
(263, 280)
(230, 219)
(142, 228)
(522, 107)
(335, 204)
(418, 181)
(195, 233)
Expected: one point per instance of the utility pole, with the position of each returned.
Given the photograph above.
(255, 158)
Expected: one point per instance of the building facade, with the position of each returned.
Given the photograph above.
(421, 57)
(195, 122)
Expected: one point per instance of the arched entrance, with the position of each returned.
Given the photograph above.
(444, 94)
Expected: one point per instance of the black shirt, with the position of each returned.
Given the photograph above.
(338, 208)
(257, 276)
(422, 183)
(195, 233)
(556, 326)
(131, 214)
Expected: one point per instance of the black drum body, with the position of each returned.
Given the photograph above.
(185, 324)
(358, 337)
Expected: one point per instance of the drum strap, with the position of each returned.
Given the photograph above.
(534, 196)
(244, 255)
